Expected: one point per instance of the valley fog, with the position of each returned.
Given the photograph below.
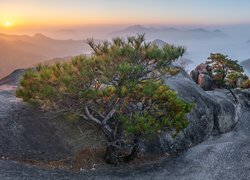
(199, 41)
(234, 40)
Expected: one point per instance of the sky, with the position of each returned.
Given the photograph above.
(91, 12)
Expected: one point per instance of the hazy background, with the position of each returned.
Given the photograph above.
(33, 31)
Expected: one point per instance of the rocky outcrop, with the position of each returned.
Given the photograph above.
(27, 133)
(13, 78)
(202, 68)
(226, 113)
(201, 76)
(30, 133)
(194, 75)
(205, 82)
(214, 112)
(243, 97)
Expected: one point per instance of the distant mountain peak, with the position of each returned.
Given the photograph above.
(66, 31)
(159, 42)
(41, 36)
(198, 30)
(135, 28)
(170, 29)
(159, 32)
(217, 31)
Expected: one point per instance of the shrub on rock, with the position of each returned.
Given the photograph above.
(224, 70)
(119, 88)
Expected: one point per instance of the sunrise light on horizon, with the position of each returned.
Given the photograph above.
(84, 12)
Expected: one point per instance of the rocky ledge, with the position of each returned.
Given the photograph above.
(214, 112)
(31, 134)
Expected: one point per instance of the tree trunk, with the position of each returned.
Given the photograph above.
(234, 96)
(134, 153)
(116, 147)
(114, 155)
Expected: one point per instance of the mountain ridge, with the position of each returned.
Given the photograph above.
(22, 51)
(139, 28)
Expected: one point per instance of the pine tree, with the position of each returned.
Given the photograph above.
(223, 69)
(120, 88)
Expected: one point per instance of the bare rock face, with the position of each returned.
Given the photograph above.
(201, 76)
(28, 133)
(245, 97)
(201, 119)
(226, 113)
(205, 82)
(202, 68)
(25, 133)
(13, 78)
(194, 74)
(214, 112)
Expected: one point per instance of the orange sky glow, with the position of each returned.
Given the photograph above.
(15, 13)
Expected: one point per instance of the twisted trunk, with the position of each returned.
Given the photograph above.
(135, 151)
(113, 131)
(114, 153)
(112, 156)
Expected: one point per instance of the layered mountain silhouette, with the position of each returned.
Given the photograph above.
(169, 31)
(20, 51)
(137, 29)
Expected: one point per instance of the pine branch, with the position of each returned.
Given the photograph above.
(90, 117)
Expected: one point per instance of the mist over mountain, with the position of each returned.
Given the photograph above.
(246, 65)
(184, 62)
(199, 41)
(20, 51)
(170, 31)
